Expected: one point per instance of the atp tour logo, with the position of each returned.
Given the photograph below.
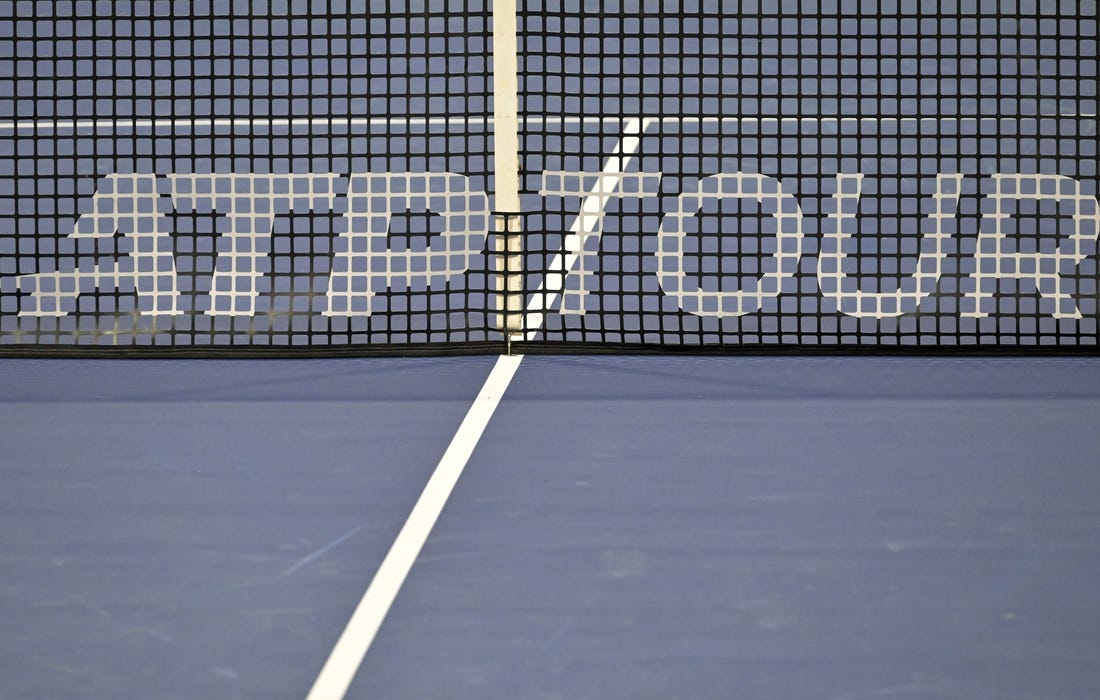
(132, 213)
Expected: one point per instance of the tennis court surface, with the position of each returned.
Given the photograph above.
(549, 349)
(626, 527)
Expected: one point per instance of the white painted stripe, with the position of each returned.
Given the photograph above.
(347, 655)
(323, 124)
(868, 119)
(247, 124)
(584, 225)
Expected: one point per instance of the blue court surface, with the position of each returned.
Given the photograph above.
(643, 527)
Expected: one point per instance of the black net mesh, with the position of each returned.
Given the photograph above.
(812, 173)
(316, 176)
(285, 174)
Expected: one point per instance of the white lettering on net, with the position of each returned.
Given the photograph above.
(583, 238)
(671, 240)
(995, 261)
(250, 204)
(840, 227)
(364, 261)
(122, 204)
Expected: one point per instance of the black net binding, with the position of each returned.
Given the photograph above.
(315, 176)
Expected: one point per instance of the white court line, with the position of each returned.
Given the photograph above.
(347, 655)
(868, 119)
(233, 124)
(321, 124)
(108, 126)
(607, 183)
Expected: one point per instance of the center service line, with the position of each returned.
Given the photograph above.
(347, 655)
(585, 225)
(344, 661)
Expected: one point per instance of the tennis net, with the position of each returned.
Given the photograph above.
(322, 177)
